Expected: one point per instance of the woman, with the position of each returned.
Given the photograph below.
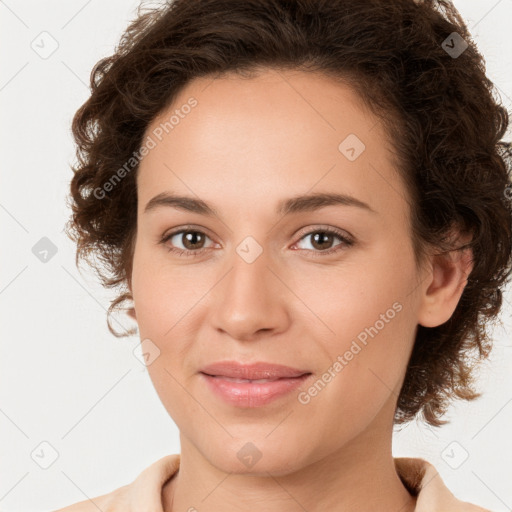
(306, 205)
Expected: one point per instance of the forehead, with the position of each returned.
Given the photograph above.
(282, 131)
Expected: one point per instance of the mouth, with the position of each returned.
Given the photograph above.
(253, 381)
(253, 371)
(252, 385)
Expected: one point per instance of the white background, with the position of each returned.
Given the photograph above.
(64, 378)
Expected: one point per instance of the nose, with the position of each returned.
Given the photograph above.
(250, 301)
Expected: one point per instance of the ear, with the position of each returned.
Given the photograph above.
(132, 313)
(442, 291)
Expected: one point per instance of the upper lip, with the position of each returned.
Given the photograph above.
(252, 371)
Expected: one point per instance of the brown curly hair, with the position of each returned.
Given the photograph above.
(438, 107)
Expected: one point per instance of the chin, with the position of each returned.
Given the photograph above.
(256, 455)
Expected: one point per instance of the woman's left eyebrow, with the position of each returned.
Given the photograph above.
(297, 204)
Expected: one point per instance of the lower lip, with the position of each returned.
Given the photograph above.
(248, 394)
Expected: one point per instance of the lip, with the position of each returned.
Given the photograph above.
(231, 381)
(258, 370)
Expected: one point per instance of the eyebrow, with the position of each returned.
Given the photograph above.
(296, 204)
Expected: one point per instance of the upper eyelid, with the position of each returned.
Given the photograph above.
(322, 227)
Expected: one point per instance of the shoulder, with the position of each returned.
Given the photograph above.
(118, 499)
(106, 503)
(423, 480)
(144, 493)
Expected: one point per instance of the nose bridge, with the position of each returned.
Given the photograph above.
(248, 300)
(248, 282)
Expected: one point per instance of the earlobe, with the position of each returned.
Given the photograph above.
(449, 277)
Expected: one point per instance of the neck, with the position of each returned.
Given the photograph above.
(360, 476)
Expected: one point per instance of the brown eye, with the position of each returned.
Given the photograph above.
(192, 241)
(322, 241)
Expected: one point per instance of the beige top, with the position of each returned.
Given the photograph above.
(144, 494)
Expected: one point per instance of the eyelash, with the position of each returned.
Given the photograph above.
(346, 242)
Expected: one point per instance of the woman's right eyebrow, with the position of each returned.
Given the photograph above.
(296, 204)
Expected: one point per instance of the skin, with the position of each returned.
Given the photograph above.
(248, 144)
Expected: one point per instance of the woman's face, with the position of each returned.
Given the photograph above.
(270, 278)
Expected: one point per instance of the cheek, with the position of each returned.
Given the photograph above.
(162, 294)
(371, 322)
(362, 379)
(347, 300)
(165, 299)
